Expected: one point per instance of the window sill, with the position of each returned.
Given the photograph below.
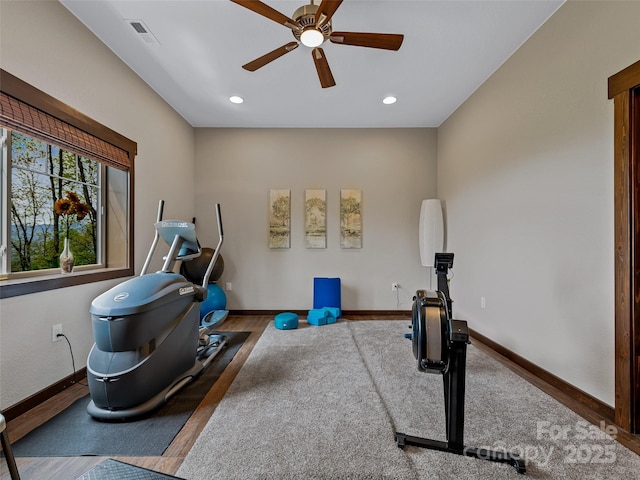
(15, 288)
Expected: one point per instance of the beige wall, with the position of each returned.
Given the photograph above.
(394, 168)
(43, 44)
(525, 167)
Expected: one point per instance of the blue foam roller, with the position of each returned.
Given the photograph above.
(326, 293)
(332, 314)
(286, 321)
(317, 317)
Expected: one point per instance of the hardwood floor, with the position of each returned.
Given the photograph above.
(69, 468)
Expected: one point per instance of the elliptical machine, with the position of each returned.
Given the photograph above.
(440, 346)
(148, 339)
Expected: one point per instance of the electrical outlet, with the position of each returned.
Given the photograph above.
(229, 287)
(395, 286)
(55, 331)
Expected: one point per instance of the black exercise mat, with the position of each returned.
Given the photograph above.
(115, 470)
(73, 432)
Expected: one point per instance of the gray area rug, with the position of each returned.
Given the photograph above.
(325, 403)
(73, 432)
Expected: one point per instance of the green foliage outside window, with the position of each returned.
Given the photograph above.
(41, 175)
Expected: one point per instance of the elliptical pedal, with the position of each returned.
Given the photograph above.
(209, 352)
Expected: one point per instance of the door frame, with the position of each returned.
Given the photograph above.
(624, 89)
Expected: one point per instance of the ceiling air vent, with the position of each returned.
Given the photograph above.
(143, 31)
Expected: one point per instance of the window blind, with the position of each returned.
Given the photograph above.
(32, 112)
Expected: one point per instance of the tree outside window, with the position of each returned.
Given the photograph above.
(43, 177)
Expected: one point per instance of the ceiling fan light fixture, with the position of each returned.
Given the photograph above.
(311, 25)
(312, 38)
(390, 100)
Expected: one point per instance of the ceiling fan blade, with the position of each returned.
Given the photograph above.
(386, 41)
(266, 11)
(270, 57)
(327, 8)
(322, 66)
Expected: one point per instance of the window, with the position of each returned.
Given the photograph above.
(65, 179)
(55, 195)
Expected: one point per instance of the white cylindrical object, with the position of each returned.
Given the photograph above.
(431, 233)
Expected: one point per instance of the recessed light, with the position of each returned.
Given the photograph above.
(389, 100)
(236, 99)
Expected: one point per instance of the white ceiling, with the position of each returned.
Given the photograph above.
(450, 48)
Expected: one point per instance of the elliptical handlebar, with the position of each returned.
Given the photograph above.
(160, 210)
(205, 280)
(219, 218)
(155, 240)
(216, 253)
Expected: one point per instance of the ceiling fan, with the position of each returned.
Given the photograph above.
(311, 25)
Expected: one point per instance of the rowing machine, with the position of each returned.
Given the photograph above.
(440, 347)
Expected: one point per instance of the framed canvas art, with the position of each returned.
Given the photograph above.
(350, 218)
(280, 219)
(315, 218)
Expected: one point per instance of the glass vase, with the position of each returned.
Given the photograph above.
(66, 258)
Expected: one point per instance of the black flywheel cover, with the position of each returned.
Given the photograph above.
(430, 325)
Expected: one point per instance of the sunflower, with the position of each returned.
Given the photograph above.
(63, 206)
(82, 210)
(69, 205)
(73, 197)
